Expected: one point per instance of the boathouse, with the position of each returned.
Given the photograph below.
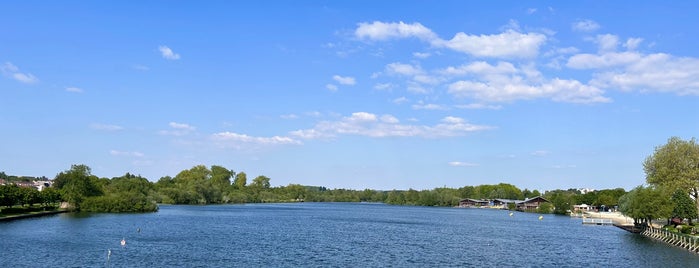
(531, 203)
(503, 203)
(468, 202)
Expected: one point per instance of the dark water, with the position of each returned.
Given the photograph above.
(326, 235)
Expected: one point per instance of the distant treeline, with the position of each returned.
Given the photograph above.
(219, 185)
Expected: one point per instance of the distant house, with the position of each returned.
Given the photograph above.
(503, 203)
(2, 181)
(468, 202)
(582, 208)
(531, 203)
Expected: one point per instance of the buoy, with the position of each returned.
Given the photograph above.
(541, 217)
(511, 213)
(123, 242)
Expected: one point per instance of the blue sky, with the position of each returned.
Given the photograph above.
(352, 94)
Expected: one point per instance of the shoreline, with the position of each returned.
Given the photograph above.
(31, 215)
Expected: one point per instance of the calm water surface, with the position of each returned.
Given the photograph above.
(323, 235)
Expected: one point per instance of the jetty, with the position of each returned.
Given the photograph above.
(651, 231)
(610, 218)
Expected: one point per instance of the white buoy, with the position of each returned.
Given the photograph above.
(541, 217)
(123, 242)
(511, 213)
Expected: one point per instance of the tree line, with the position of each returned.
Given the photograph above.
(219, 185)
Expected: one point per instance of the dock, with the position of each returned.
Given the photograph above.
(597, 221)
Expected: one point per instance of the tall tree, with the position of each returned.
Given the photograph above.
(76, 184)
(241, 179)
(221, 176)
(260, 182)
(675, 166)
(646, 203)
(684, 207)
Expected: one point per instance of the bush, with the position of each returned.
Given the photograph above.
(126, 202)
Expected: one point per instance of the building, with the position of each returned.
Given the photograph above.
(531, 204)
(468, 202)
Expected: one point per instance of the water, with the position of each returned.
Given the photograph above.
(326, 235)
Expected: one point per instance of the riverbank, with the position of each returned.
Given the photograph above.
(31, 215)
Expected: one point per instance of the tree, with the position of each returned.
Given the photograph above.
(241, 179)
(646, 204)
(9, 195)
(76, 184)
(684, 206)
(260, 182)
(221, 177)
(675, 166)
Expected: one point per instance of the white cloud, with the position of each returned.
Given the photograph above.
(633, 43)
(428, 106)
(403, 69)
(421, 55)
(383, 86)
(237, 140)
(182, 126)
(480, 68)
(585, 26)
(509, 44)
(462, 164)
(123, 153)
(74, 89)
(106, 127)
(168, 54)
(416, 88)
(344, 80)
(478, 106)
(367, 124)
(531, 11)
(634, 71)
(508, 88)
(10, 70)
(400, 100)
(178, 129)
(607, 42)
(606, 60)
(331, 87)
(382, 31)
(387, 118)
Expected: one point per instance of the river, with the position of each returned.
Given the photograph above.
(326, 235)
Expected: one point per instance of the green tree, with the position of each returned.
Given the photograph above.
(545, 208)
(50, 196)
(644, 204)
(684, 206)
(221, 177)
(9, 195)
(241, 179)
(76, 184)
(675, 166)
(260, 182)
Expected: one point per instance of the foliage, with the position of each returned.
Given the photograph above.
(646, 203)
(675, 166)
(77, 184)
(684, 207)
(545, 208)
